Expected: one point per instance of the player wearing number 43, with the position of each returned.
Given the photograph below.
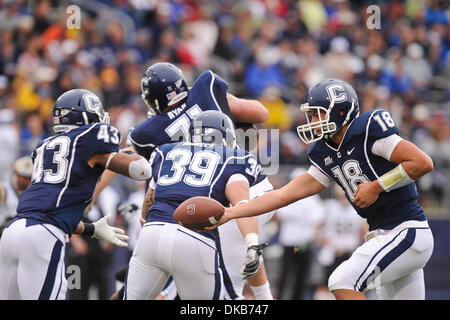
(376, 168)
(67, 167)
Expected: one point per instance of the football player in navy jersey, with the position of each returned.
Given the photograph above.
(376, 168)
(208, 166)
(172, 106)
(66, 169)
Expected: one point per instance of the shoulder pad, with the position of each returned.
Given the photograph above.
(381, 124)
(207, 77)
(204, 76)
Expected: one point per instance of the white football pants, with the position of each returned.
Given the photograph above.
(32, 262)
(165, 249)
(390, 265)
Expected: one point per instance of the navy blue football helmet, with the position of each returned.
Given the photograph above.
(339, 105)
(75, 108)
(162, 86)
(213, 127)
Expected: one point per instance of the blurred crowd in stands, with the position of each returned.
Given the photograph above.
(271, 50)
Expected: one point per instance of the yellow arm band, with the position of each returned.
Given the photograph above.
(394, 179)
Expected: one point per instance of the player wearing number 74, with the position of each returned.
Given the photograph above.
(67, 167)
(377, 169)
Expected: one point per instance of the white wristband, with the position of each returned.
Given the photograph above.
(251, 239)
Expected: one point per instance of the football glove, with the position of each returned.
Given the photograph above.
(253, 260)
(103, 231)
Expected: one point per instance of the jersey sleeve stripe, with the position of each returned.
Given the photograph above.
(365, 145)
(71, 162)
(213, 77)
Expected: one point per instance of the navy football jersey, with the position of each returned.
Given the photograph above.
(63, 183)
(207, 93)
(184, 170)
(352, 163)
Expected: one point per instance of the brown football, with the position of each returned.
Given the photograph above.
(197, 213)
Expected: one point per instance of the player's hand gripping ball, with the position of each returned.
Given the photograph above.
(196, 213)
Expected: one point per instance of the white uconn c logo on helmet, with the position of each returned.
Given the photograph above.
(337, 93)
(92, 103)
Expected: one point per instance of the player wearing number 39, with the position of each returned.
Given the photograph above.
(209, 166)
(377, 169)
(67, 167)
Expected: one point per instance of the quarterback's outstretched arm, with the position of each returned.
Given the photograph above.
(247, 110)
(301, 187)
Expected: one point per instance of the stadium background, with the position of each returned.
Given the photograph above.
(271, 50)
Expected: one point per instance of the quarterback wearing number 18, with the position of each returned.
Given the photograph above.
(376, 168)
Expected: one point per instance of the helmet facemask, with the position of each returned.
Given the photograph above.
(313, 131)
(324, 127)
(153, 106)
(59, 119)
(103, 117)
(60, 116)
